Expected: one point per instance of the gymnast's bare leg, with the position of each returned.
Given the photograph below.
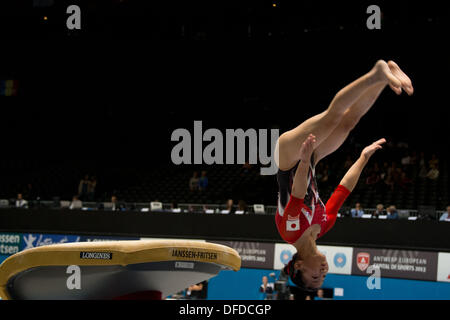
(332, 126)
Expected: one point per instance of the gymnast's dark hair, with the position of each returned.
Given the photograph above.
(296, 277)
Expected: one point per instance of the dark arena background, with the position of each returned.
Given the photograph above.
(88, 114)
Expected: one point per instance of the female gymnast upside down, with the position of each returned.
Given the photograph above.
(301, 215)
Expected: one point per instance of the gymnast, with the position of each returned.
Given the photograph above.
(301, 216)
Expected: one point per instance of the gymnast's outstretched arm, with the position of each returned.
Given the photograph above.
(352, 176)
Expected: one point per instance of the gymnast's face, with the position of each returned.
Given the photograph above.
(314, 269)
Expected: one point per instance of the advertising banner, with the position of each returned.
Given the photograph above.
(339, 259)
(255, 255)
(283, 254)
(443, 273)
(406, 264)
(105, 238)
(10, 243)
(32, 240)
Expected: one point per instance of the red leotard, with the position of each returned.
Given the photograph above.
(294, 216)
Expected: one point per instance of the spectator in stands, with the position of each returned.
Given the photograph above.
(76, 203)
(266, 288)
(433, 174)
(174, 207)
(392, 212)
(394, 172)
(193, 182)
(230, 206)
(406, 160)
(384, 171)
(379, 211)
(203, 181)
(446, 215)
(83, 187)
(116, 205)
(389, 182)
(242, 206)
(357, 211)
(422, 166)
(392, 169)
(91, 189)
(319, 295)
(402, 145)
(21, 202)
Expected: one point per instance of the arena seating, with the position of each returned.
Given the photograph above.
(170, 184)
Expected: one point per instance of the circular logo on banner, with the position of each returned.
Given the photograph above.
(340, 260)
(285, 256)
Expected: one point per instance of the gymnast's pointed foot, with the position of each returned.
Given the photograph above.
(391, 73)
(400, 75)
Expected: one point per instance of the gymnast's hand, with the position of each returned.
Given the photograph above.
(370, 150)
(307, 148)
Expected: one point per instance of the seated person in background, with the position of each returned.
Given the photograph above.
(21, 202)
(198, 291)
(83, 187)
(174, 207)
(116, 205)
(446, 215)
(422, 167)
(193, 182)
(203, 181)
(76, 203)
(357, 211)
(229, 206)
(242, 206)
(91, 189)
(433, 174)
(319, 295)
(406, 160)
(392, 212)
(379, 211)
(266, 287)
